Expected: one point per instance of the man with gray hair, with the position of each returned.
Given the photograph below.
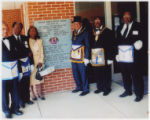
(130, 50)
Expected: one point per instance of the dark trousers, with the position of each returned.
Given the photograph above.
(9, 87)
(102, 76)
(131, 73)
(79, 74)
(24, 92)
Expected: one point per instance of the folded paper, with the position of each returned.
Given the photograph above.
(47, 71)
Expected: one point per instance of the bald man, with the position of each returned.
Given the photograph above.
(9, 75)
(129, 55)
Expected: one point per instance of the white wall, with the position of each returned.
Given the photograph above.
(11, 5)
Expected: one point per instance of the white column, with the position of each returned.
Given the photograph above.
(108, 14)
(108, 20)
(138, 11)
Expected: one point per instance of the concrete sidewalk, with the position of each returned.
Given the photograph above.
(71, 105)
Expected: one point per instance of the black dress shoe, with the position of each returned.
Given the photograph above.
(106, 93)
(125, 94)
(35, 98)
(22, 105)
(97, 91)
(30, 102)
(138, 99)
(84, 93)
(17, 112)
(42, 98)
(8, 115)
(76, 90)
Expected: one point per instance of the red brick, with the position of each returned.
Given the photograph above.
(65, 11)
(51, 3)
(69, 7)
(56, 5)
(32, 3)
(41, 3)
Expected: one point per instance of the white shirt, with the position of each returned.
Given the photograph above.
(80, 29)
(26, 44)
(17, 36)
(99, 29)
(125, 26)
(6, 42)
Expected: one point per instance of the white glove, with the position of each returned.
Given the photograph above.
(86, 61)
(109, 62)
(90, 61)
(20, 75)
(32, 68)
(138, 44)
(117, 58)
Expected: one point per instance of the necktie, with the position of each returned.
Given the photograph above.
(18, 40)
(125, 32)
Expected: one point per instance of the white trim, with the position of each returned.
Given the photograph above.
(74, 8)
(108, 14)
(138, 11)
(25, 17)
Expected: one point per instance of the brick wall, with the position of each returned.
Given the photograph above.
(61, 79)
(10, 16)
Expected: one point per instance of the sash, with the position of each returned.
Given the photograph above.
(126, 53)
(98, 57)
(77, 54)
(26, 68)
(10, 70)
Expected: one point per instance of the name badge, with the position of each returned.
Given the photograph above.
(126, 53)
(135, 32)
(98, 57)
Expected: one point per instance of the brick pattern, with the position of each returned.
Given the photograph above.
(62, 79)
(49, 10)
(10, 16)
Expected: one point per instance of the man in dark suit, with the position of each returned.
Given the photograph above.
(130, 52)
(102, 56)
(9, 75)
(23, 53)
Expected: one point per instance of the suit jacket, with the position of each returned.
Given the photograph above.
(130, 40)
(82, 39)
(8, 55)
(105, 40)
(22, 48)
(37, 50)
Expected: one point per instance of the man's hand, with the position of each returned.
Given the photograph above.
(109, 62)
(32, 68)
(138, 44)
(40, 65)
(20, 75)
(117, 58)
(86, 61)
(30, 54)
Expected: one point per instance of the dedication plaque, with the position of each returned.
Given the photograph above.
(56, 36)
